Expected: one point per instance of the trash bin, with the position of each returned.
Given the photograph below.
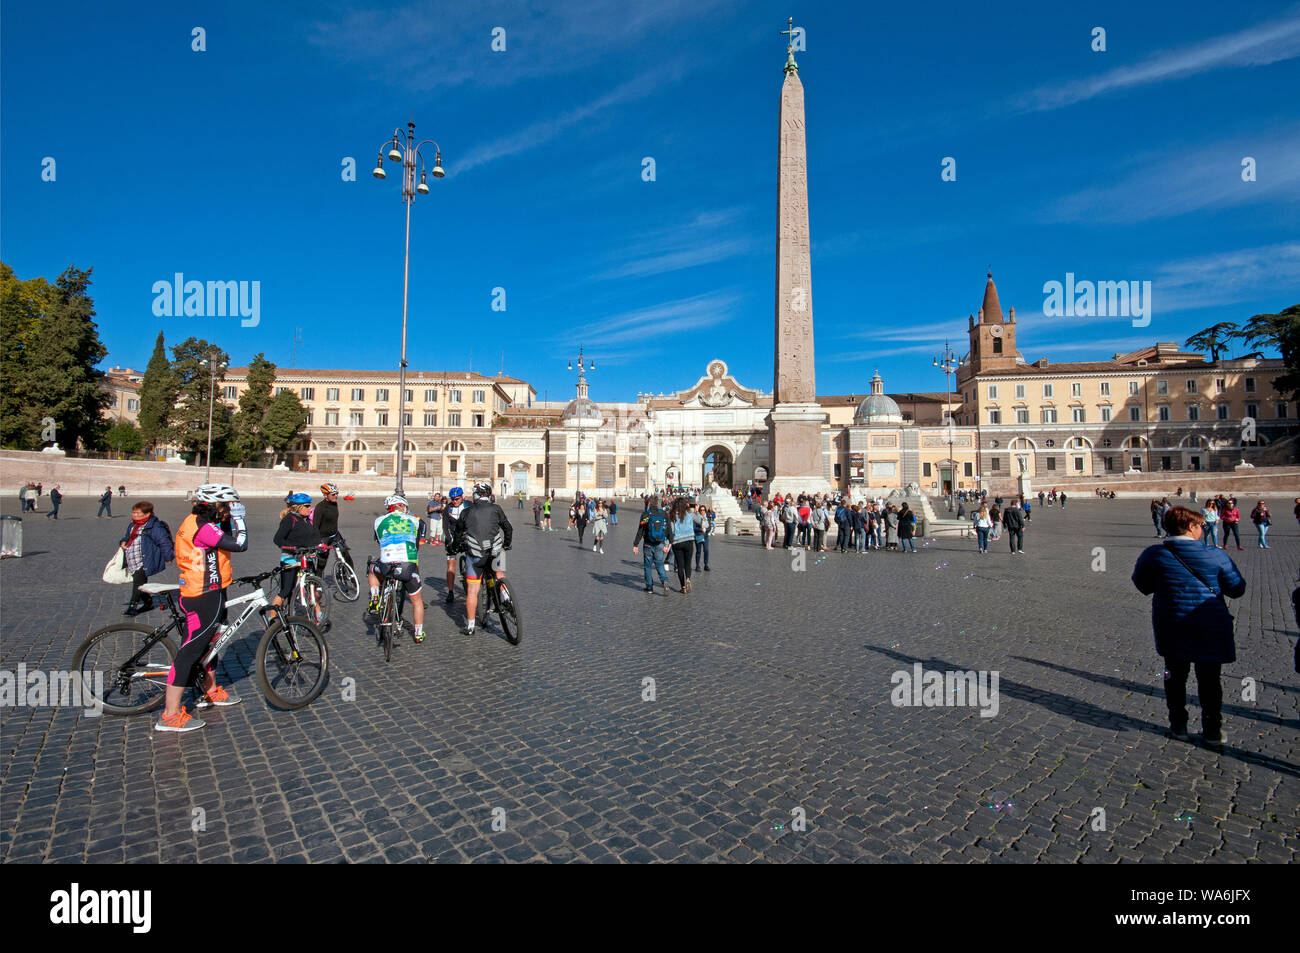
(729, 527)
(920, 526)
(11, 536)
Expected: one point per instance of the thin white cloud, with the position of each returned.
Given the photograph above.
(1228, 277)
(706, 238)
(684, 315)
(1260, 45)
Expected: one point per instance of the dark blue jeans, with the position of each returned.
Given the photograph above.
(652, 555)
(701, 549)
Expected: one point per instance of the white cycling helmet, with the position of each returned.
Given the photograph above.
(216, 493)
(396, 500)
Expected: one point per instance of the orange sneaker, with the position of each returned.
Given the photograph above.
(218, 697)
(181, 721)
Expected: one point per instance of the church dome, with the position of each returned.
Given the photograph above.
(582, 410)
(878, 407)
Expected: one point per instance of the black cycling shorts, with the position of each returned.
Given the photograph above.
(476, 567)
(408, 573)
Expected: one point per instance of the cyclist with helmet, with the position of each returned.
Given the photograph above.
(454, 506)
(213, 530)
(325, 518)
(294, 532)
(483, 533)
(399, 535)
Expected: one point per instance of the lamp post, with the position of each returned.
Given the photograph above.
(582, 395)
(949, 366)
(213, 360)
(409, 155)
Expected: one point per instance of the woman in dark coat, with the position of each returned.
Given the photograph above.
(906, 528)
(1191, 621)
(149, 548)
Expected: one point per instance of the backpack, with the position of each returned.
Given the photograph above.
(656, 527)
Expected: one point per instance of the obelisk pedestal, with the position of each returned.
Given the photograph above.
(795, 423)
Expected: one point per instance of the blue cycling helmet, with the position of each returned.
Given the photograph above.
(298, 499)
(456, 493)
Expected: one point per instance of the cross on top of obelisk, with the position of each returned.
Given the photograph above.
(790, 65)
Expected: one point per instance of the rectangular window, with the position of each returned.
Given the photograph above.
(1049, 415)
(1220, 384)
(410, 396)
(1109, 463)
(1281, 409)
(997, 345)
(331, 418)
(331, 393)
(1166, 463)
(431, 395)
(1020, 391)
(452, 464)
(1079, 415)
(1252, 410)
(539, 471)
(993, 392)
(1223, 411)
(307, 393)
(431, 420)
(1132, 387)
(968, 469)
(1191, 385)
(381, 419)
(1051, 463)
(995, 416)
(453, 396)
(1022, 416)
(479, 396)
(453, 419)
(1193, 412)
(925, 469)
(310, 416)
(501, 471)
(1105, 415)
(997, 464)
(1047, 390)
(1135, 413)
(1105, 388)
(1162, 412)
(134, 404)
(1250, 385)
(837, 471)
(622, 471)
(1078, 464)
(1162, 388)
(356, 465)
(1076, 389)
(478, 420)
(381, 395)
(358, 393)
(230, 392)
(280, 390)
(357, 418)
(406, 418)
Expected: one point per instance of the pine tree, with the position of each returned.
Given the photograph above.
(284, 422)
(196, 393)
(249, 441)
(158, 394)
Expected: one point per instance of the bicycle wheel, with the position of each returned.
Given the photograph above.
(292, 662)
(346, 584)
(128, 687)
(317, 607)
(508, 612)
(390, 622)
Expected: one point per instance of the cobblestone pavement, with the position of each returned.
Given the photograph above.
(771, 713)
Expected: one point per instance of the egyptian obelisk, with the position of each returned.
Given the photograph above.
(795, 424)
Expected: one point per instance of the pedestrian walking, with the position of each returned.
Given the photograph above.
(906, 529)
(546, 515)
(1062, 499)
(1013, 518)
(983, 523)
(599, 527)
(1210, 517)
(995, 515)
(149, 548)
(653, 530)
(1229, 518)
(1190, 619)
(1262, 519)
(681, 533)
(56, 498)
(580, 520)
(613, 513)
(106, 503)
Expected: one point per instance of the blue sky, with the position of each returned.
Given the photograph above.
(226, 165)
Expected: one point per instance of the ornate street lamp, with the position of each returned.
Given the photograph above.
(406, 150)
(590, 365)
(949, 366)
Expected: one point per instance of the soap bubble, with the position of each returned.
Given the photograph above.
(1002, 802)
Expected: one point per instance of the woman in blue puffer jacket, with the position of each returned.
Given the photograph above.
(1191, 621)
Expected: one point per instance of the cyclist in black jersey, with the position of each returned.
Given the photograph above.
(483, 533)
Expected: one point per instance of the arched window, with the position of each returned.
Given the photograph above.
(453, 446)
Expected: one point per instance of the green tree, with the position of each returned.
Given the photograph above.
(158, 393)
(123, 437)
(193, 361)
(50, 348)
(1279, 332)
(284, 422)
(249, 439)
(1215, 339)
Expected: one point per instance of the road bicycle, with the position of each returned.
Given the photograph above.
(495, 595)
(392, 594)
(291, 658)
(309, 589)
(346, 584)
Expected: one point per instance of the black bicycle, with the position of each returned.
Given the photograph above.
(292, 659)
(495, 595)
(346, 584)
(392, 593)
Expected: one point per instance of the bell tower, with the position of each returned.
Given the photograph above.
(992, 338)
